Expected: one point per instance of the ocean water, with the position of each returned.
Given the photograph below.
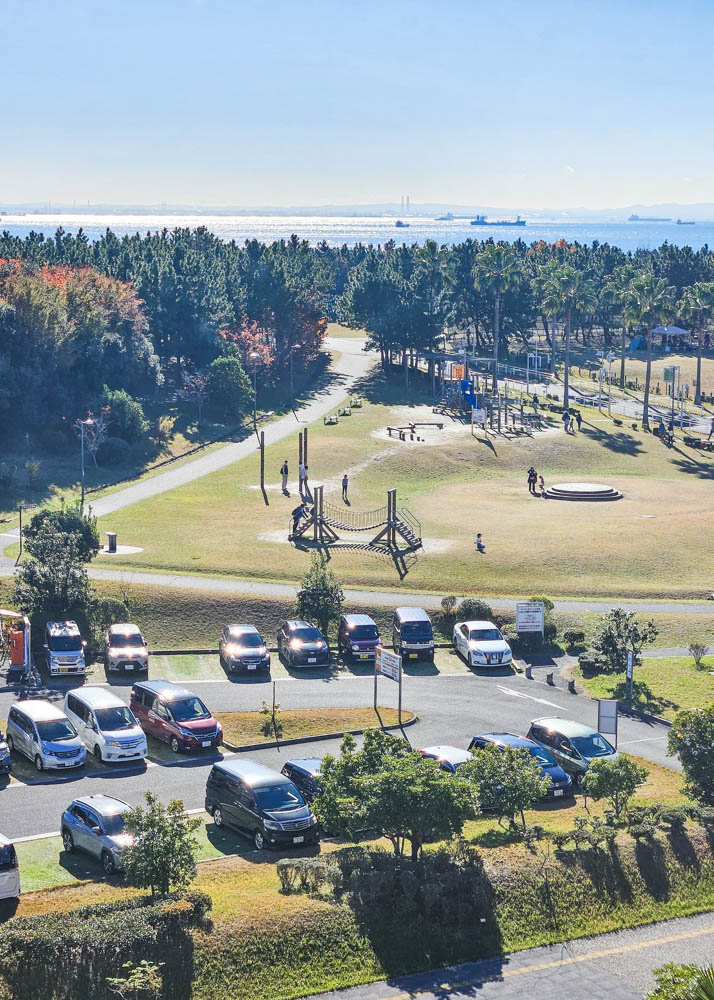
(355, 229)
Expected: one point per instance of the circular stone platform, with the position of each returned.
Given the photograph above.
(582, 491)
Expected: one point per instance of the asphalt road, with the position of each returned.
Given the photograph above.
(616, 966)
(451, 708)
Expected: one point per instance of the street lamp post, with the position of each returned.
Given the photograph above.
(533, 341)
(24, 506)
(82, 424)
(254, 358)
(610, 359)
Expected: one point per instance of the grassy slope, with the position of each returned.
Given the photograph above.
(219, 524)
(663, 686)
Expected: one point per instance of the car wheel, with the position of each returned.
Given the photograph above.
(38, 763)
(67, 841)
(108, 863)
(10, 744)
(259, 840)
(175, 745)
(577, 783)
(98, 754)
(217, 816)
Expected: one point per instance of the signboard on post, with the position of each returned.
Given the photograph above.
(607, 717)
(630, 664)
(530, 616)
(389, 665)
(668, 375)
(458, 371)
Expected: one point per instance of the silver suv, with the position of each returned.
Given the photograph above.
(95, 824)
(125, 648)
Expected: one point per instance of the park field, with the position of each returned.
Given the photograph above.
(648, 544)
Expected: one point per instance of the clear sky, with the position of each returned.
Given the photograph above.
(536, 103)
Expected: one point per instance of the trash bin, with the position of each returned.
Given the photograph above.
(111, 541)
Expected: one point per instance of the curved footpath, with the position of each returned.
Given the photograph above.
(615, 966)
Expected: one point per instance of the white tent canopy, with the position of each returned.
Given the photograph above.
(670, 331)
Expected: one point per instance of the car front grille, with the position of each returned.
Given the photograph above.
(301, 824)
(64, 754)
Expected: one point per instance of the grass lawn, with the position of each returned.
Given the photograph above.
(646, 545)
(248, 727)
(662, 686)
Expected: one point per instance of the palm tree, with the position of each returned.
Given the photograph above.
(496, 271)
(697, 307)
(650, 303)
(615, 292)
(566, 291)
(705, 984)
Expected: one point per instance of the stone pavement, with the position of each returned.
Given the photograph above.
(615, 966)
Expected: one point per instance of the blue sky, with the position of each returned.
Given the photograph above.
(536, 103)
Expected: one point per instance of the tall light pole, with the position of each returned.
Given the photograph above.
(82, 424)
(254, 358)
(533, 341)
(610, 358)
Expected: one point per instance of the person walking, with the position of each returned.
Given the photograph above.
(566, 421)
(345, 484)
(284, 474)
(578, 418)
(532, 480)
(479, 543)
(536, 403)
(302, 478)
(541, 486)
(711, 430)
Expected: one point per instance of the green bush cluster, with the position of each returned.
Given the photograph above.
(58, 955)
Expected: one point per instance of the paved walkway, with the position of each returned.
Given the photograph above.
(352, 364)
(615, 966)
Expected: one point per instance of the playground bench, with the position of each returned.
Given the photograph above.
(344, 411)
(356, 402)
(426, 423)
(330, 418)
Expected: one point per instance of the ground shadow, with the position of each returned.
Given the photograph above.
(643, 697)
(652, 865)
(619, 441)
(692, 467)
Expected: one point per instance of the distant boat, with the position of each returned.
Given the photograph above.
(646, 218)
(445, 218)
(481, 220)
(683, 222)
(401, 225)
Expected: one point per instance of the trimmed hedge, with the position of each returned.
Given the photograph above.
(59, 955)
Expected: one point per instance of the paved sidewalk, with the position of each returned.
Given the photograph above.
(616, 966)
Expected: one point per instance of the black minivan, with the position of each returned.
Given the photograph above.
(261, 803)
(412, 634)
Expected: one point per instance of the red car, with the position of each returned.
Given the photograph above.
(178, 717)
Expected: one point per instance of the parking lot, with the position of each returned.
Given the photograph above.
(452, 706)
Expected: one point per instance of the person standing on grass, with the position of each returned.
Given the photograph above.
(284, 474)
(536, 401)
(541, 485)
(566, 421)
(711, 430)
(479, 543)
(302, 477)
(532, 479)
(579, 418)
(345, 484)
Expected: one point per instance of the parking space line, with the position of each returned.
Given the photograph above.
(645, 739)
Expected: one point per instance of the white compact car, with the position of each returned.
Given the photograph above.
(9, 870)
(106, 726)
(481, 644)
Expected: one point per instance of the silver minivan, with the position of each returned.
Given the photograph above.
(9, 870)
(107, 727)
(43, 733)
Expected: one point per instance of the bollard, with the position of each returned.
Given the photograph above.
(571, 685)
(529, 672)
(549, 679)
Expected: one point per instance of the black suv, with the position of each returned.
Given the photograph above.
(301, 644)
(305, 773)
(261, 803)
(242, 647)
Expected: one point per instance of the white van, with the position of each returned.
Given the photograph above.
(106, 726)
(9, 870)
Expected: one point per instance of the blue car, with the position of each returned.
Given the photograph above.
(561, 785)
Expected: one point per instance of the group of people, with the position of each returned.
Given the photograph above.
(534, 480)
(570, 419)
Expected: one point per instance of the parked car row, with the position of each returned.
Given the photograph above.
(95, 720)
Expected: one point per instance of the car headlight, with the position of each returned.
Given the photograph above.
(113, 743)
(313, 818)
(355, 648)
(219, 727)
(296, 643)
(116, 851)
(185, 732)
(271, 825)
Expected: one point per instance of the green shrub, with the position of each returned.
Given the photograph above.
(573, 637)
(126, 415)
(114, 451)
(473, 609)
(591, 663)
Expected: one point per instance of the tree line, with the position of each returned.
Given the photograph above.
(77, 315)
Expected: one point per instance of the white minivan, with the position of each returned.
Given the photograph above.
(106, 725)
(9, 870)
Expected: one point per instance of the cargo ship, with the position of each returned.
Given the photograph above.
(647, 218)
(401, 225)
(482, 220)
(685, 222)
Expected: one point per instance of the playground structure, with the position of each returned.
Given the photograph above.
(15, 645)
(499, 412)
(394, 525)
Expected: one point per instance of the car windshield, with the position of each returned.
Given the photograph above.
(485, 634)
(307, 634)
(542, 756)
(111, 719)
(188, 709)
(64, 643)
(113, 824)
(413, 630)
(592, 746)
(56, 730)
(363, 632)
(251, 639)
(8, 858)
(274, 798)
(123, 640)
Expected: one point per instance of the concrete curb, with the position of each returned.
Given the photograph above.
(271, 649)
(623, 709)
(296, 741)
